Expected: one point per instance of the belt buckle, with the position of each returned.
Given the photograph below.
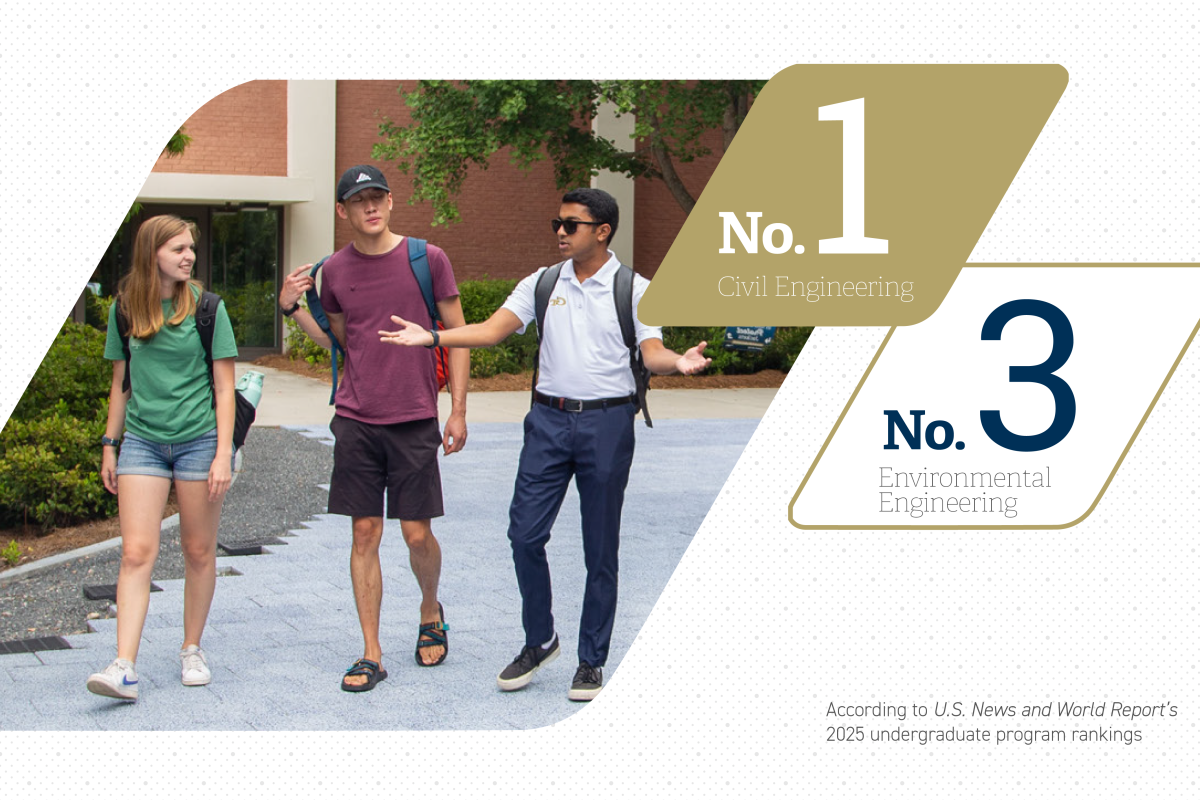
(574, 406)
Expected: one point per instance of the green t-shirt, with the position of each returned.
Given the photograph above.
(171, 399)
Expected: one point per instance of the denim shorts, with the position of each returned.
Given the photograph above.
(184, 461)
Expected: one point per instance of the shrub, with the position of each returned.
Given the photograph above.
(96, 310)
(73, 378)
(513, 355)
(251, 310)
(481, 298)
(299, 346)
(781, 354)
(302, 348)
(50, 470)
(49, 450)
(12, 553)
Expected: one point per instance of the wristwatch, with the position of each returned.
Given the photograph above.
(105, 441)
(287, 312)
(433, 332)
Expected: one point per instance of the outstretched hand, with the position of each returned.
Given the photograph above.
(410, 334)
(693, 361)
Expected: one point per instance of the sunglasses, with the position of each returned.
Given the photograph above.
(570, 225)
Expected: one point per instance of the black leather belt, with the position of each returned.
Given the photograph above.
(566, 404)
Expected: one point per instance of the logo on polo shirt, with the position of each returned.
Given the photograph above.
(558, 301)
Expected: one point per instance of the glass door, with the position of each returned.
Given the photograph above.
(243, 250)
(238, 257)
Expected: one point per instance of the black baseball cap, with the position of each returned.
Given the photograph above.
(355, 179)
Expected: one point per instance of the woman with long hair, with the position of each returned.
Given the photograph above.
(178, 425)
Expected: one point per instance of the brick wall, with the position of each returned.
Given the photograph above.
(659, 217)
(506, 212)
(240, 132)
(505, 232)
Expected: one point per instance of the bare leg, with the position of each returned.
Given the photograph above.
(141, 500)
(198, 522)
(425, 557)
(367, 578)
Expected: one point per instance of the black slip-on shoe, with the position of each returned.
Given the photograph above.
(519, 673)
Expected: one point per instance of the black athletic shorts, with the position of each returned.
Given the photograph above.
(399, 459)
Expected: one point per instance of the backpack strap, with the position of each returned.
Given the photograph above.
(206, 318)
(418, 259)
(623, 298)
(123, 332)
(318, 314)
(541, 301)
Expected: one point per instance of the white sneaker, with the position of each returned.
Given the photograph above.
(119, 679)
(195, 666)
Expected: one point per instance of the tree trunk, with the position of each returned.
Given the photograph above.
(735, 114)
(670, 177)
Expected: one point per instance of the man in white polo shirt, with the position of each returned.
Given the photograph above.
(581, 424)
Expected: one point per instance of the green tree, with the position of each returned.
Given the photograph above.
(459, 124)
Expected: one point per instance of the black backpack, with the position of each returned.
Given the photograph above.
(623, 299)
(206, 316)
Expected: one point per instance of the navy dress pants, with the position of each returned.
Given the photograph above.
(596, 447)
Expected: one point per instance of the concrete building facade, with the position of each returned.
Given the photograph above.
(259, 175)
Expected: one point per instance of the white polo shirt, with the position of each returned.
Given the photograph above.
(583, 354)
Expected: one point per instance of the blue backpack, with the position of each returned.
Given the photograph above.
(419, 260)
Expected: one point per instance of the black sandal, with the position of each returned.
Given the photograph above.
(433, 634)
(364, 666)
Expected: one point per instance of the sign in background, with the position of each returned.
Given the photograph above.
(726, 691)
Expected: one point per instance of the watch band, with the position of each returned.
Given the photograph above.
(106, 441)
(433, 332)
(287, 312)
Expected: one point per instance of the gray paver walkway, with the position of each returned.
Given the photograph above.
(282, 630)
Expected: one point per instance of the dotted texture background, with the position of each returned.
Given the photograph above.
(762, 625)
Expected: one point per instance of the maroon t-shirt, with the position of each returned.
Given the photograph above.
(383, 384)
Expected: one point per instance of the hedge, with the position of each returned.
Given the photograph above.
(481, 298)
(49, 450)
(50, 471)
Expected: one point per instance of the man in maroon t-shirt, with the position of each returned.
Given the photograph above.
(385, 425)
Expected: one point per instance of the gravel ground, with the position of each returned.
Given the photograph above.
(277, 491)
